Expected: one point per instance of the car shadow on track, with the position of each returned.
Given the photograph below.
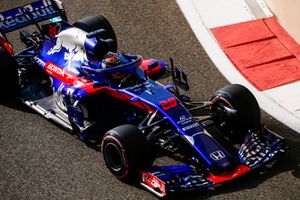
(292, 159)
(15, 103)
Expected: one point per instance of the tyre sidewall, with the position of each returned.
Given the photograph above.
(136, 151)
(9, 74)
(111, 137)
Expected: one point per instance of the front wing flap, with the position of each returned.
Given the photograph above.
(260, 147)
(166, 179)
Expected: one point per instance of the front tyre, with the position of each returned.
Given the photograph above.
(126, 151)
(246, 113)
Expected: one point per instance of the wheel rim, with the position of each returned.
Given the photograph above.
(218, 104)
(223, 121)
(113, 157)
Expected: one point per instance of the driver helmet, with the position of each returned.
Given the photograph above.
(110, 61)
(114, 60)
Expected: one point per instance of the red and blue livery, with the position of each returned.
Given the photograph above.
(72, 74)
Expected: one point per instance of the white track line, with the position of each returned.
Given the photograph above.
(211, 46)
(288, 96)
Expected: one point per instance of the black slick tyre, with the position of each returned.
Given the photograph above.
(126, 151)
(9, 74)
(247, 114)
(97, 22)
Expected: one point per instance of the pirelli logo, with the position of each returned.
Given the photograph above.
(194, 125)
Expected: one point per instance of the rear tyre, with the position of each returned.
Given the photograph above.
(247, 117)
(96, 22)
(9, 74)
(126, 151)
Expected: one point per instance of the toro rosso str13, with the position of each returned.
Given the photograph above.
(70, 74)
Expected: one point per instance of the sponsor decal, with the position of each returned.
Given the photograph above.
(68, 78)
(153, 182)
(54, 69)
(217, 155)
(190, 126)
(72, 40)
(184, 120)
(60, 73)
(21, 17)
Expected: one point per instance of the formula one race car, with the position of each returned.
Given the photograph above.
(71, 75)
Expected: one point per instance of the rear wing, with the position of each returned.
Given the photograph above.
(32, 13)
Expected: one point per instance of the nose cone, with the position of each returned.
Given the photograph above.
(216, 157)
(221, 166)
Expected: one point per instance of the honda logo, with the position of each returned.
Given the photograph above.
(217, 155)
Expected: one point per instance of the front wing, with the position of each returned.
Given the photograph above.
(257, 151)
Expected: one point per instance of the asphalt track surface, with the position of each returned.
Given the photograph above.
(38, 160)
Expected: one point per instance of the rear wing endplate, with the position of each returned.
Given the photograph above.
(32, 13)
